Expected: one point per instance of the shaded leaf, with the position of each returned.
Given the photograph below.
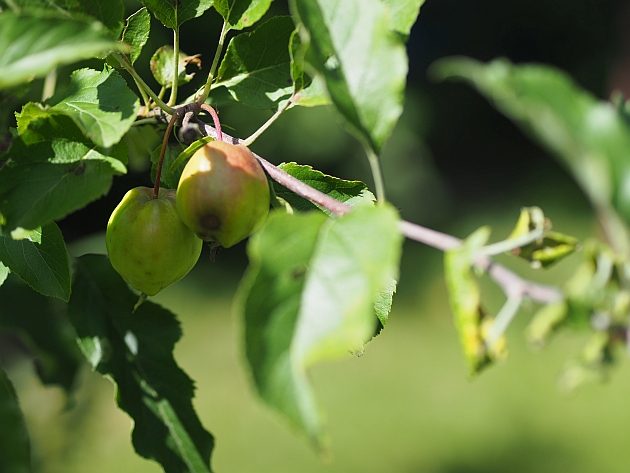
(350, 192)
(41, 261)
(109, 12)
(240, 14)
(42, 324)
(162, 66)
(589, 137)
(136, 33)
(309, 296)
(170, 171)
(15, 446)
(256, 68)
(352, 46)
(135, 350)
(139, 143)
(30, 47)
(172, 13)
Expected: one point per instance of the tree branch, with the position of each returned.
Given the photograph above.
(512, 285)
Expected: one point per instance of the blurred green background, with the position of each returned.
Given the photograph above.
(406, 405)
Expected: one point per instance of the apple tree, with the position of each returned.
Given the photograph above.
(324, 252)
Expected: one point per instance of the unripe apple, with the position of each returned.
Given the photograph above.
(223, 194)
(147, 243)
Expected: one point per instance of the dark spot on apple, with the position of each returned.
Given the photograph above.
(208, 223)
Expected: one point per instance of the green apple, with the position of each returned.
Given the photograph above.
(147, 243)
(223, 194)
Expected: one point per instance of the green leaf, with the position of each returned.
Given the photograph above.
(588, 136)
(239, 14)
(362, 61)
(546, 321)
(307, 92)
(15, 446)
(4, 273)
(350, 192)
(162, 66)
(30, 47)
(47, 181)
(136, 33)
(172, 13)
(471, 321)
(100, 104)
(174, 165)
(309, 296)
(384, 301)
(313, 95)
(109, 12)
(403, 14)
(256, 68)
(593, 363)
(43, 326)
(135, 350)
(170, 173)
(41, 261)
(550, 248)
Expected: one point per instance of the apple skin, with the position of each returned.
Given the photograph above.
(147, 243)
(223, 194)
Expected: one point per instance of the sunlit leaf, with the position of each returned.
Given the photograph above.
(99, 103)
(172, 13)
(307, 91)
(4, 273)
(545, 322)
(240, 14)
(589, 136)
(464, 294)
(136, 33)
(350, 192)
(546, 250)
(163, 70)
(351, 44)
(256, 68)
(309, 296)
(47, 181)
(403, 13)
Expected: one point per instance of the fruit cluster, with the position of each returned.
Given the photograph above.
(155, 240)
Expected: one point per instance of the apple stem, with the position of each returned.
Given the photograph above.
(215, 118)
(141, 299)
(158, 172)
